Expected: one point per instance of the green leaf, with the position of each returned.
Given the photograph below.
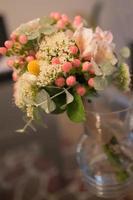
(48, 30)
(91, 94)
(58, 100)
(107, 68)
(23, 29)
(33, 35)
(114, 158)
(44, 101)
(97, 69)
(38, 117)
(47, 27)
(75, 110)
(69, 98)
(44, 21)
(100, 83)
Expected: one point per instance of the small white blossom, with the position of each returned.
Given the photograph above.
(56, 45)
(30, 110)
(48, 73)
(24, 93)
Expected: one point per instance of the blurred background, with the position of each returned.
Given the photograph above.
(41, 165)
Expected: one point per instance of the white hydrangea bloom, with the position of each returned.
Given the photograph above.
(24, 93)
(30, 111)
(48, 73)
(29, 78)
(56, 45)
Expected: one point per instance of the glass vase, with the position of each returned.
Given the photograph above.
(105, 150)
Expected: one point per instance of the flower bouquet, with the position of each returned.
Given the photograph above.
(58, 62)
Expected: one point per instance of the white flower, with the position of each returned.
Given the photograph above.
(56, 45)
(95, 45)
(105, 36)
(48, 73)
(85, 42)
(30, 78)
(24, 92)
(30, 111)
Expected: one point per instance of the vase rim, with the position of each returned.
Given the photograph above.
(130, 106)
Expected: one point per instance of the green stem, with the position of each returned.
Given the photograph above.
(121, 173)
(26, 126)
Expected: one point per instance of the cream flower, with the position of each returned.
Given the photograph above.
(104, 54)
(95, 45)
(85, 42)
(24, 92)
(30, 78)
(105, 36)
(56, 45)
(48, 73)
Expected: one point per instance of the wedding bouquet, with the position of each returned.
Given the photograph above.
(57, 62)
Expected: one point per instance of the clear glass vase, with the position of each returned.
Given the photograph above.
(105, 150)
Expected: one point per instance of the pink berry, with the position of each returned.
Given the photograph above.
(8, 44)
(71, 81)
(55, 15)
(65, 18)
(73, 49)
(91, 71)
(78, 17)
(76, 63)
(60, 82)
(14, 76)
(67, 67)
(77, 21)
(29, 58)
(86, 66)
(23, 39)
(88, 57)
(61, 24)
(3, 50)
(55, 61)
(91, 82)
(81, 90)
(10, 63)
(13, 36)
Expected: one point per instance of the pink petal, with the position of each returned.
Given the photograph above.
(83, 38)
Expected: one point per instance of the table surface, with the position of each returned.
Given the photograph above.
(42, 165)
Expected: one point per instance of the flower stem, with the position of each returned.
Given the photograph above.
(121, 173)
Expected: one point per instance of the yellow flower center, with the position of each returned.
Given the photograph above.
(33, 67)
